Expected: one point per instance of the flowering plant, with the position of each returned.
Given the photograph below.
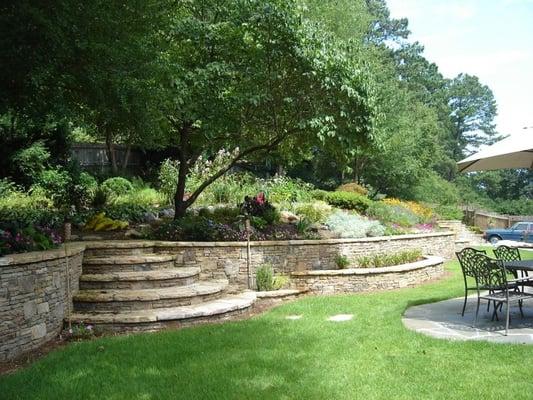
(28, 239)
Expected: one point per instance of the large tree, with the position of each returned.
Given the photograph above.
(473, 109)
(252, 75)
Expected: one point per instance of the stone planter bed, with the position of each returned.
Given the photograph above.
(368, 279)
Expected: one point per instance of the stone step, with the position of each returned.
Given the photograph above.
(143, 299)
(161, 317)
(125, 263)
(116, 248)
(141, 279)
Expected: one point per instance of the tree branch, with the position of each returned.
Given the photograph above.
(240, 156)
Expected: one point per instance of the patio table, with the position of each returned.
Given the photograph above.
(522, 265)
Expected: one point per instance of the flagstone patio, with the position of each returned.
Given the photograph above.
(443, 320)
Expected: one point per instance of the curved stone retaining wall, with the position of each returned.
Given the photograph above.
(34, 298)
(229, 259)
(368, 279)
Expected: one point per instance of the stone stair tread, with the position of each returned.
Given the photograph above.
(109, 295)
(133, 259)
(171, 273)
(220, 306)
(279, 293)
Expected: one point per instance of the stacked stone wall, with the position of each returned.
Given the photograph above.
(34, 297)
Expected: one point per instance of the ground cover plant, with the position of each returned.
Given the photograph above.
(270, 357)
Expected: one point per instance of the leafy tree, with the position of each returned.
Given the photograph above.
(473, 109)
(252, 75)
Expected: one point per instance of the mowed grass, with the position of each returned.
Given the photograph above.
(371, 356)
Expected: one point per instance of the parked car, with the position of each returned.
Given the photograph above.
(519, 232)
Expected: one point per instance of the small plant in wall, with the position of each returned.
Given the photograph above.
(342, 261)
(267, 280)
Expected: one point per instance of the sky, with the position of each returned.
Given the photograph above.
(492, 39)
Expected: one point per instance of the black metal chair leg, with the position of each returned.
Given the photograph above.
(464, 304)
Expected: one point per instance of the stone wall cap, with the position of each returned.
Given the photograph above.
(73, 249)
(428, 261)
(125, 244)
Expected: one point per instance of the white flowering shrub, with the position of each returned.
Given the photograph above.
(353, 226)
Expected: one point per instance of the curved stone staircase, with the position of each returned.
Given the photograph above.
(133, 289)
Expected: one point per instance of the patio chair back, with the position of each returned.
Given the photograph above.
(506, 253)
(490, 274)
(468, 259)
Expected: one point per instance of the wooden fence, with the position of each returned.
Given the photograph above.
(93, 156)
(486, 220)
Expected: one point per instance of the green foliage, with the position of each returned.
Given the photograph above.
(30, 238)
(131, 212)
(303, 225)
(32, 160)
(266, 280)
(319, 194)
(341, 261)
(353, 187)
(451, 212)
(198, 228)
(435, 190)
(387, 260)
(168, 179)
(316, 211)
(349, 201)
(393, 214)
(347, 225)
(56, 185)
(117, 186)
(287, 190)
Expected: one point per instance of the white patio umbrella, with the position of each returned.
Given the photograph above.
(515, 151)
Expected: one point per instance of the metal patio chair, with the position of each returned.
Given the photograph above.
(492, 275)
(467, 259)
(506, 253)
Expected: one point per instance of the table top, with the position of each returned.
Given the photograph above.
(525, 265)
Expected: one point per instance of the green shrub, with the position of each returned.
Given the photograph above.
(85, 188)
(117, 186)
(393, 214)
(266, 280)
(197, 228)
(7, 187)
(265, 277)
(341, 261)
(127, 212)
(448, 212)
(319, 194)
(282, 189)
(168, 179)
(32, 160)
(303, 225)
(146, 197)
(436, 190)
(387, 260)
(56, 185)
(317, 211)
(347, 225)
(15, 240)
(349, 201)
(353, 187)
(221, 215)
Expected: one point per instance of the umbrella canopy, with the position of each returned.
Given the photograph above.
(512, 152)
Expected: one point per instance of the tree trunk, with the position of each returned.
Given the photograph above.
(126, 158)
(180, 204)
(111, 156)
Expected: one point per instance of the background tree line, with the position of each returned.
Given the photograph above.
(328, 91)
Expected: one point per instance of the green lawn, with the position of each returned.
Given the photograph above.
(270, 357)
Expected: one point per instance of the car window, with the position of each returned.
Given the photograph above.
(521, 227)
